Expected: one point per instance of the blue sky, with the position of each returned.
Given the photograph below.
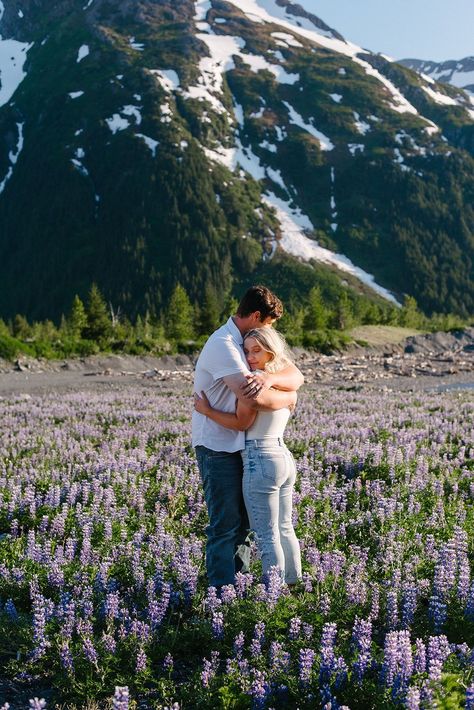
(424, 29)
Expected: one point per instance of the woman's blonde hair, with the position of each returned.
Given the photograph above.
(273, 343)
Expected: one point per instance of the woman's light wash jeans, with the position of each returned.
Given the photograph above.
(269, 477)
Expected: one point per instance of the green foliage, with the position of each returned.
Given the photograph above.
(179, 316)
(99, 325)
(78, 318)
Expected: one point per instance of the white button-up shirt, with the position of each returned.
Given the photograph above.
(222, 355)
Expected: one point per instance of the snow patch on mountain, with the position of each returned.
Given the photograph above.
(13, 156)
(293, 223)
(362, 126)
(288, 39)
(76, 161)
(12, 59)
(75, 94)
(117, 122)
(82, 53)
(295, 118)
(168, 78)
(438, 97)
(150, 142)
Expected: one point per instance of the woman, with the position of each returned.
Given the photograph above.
(269, 467)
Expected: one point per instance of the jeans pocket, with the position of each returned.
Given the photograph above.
(274, 466)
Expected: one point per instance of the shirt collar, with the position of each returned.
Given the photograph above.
(235, 332)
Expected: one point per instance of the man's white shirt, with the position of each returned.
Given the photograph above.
(222, 355)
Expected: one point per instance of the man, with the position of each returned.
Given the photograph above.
(222, 373)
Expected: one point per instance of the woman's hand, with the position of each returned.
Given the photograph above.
(201, 403)
(256, 383)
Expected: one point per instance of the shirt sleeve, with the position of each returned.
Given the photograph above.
(225, 358)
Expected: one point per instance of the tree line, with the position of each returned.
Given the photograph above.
(94, 326)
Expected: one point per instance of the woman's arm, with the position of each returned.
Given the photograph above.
(241, 419)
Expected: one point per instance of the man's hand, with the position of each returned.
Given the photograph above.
(255, 384)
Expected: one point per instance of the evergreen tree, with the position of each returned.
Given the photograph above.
(77, 318)
(410, 316)
(98, 320)
(316, 315)
(179, 323)
(343, 316)
(209, 316)
(21, 328)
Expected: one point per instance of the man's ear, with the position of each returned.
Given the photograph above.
(258, 316)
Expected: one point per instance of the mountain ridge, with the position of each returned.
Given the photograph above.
(144, 133)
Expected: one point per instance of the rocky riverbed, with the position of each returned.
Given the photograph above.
(420, 361)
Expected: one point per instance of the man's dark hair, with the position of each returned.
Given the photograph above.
(260, 298)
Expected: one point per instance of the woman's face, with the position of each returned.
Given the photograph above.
(256, 356)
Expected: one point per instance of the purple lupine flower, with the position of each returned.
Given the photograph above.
(109, 643)
(239, 642)
(257, 640)
(392, 609)
(362, 638)
(37, 703)
(328, 639)
(438, 651)
(121, 698)
(89, 650)
(305, 665)
(259, 689)
(470, 698)
(210, 668)
(325, 604)
(398, 661)
(295, 628)
(10, 610)
(469, 609)
(168, 663)
(419, 661)
(141, 662)
(217, 624)
(412, 699)
(228, 594)
(211, 601)
(65, 656)
(437, 611)
(243, 582)
(274, 585)
(409, 599)
(279, 658)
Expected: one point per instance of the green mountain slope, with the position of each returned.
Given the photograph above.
(156, 143)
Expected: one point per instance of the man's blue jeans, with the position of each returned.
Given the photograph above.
(227, 550)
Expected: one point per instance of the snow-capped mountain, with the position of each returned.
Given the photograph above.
(459, 73)
(148, 142)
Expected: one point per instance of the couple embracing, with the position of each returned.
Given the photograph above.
(244, 390)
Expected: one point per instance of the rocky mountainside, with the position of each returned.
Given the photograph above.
(459, 73)
(145, 142)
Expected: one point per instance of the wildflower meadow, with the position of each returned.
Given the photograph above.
(103, 593)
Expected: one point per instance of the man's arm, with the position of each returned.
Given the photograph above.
(269, 399)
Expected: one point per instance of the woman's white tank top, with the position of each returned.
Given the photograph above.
(268, 425)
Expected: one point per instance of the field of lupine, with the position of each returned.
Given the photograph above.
(102, 585)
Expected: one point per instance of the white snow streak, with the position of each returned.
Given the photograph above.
(298, 120)
(75, 94)
(336, 97)
(438, 97)
(294, 241)
(13, 157)
(287, 38)
(117, 123)
(150, 142)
